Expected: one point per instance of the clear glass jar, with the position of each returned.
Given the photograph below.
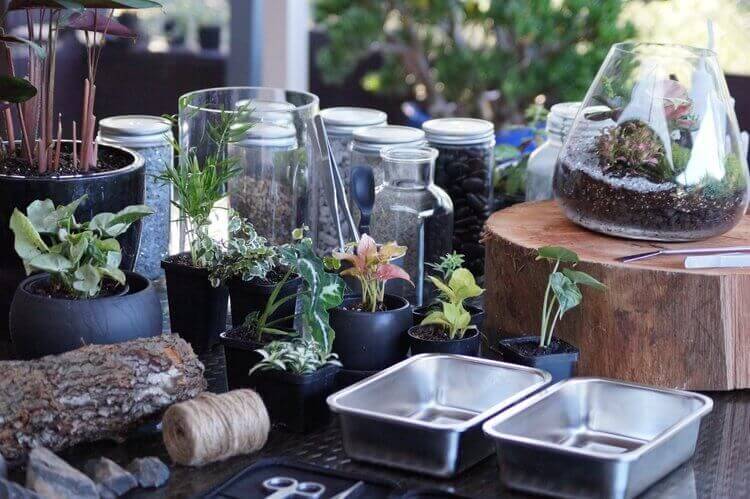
(541, 166)
(280, 156)
(464, 168)
(655, 152)
(151, 137)
(340, 123)
(411, 210)
(367, 143)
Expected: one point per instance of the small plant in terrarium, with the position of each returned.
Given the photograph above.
(654, 153)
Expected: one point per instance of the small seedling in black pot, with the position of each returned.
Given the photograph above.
(545, 351)
(371, 327)
(448, 327)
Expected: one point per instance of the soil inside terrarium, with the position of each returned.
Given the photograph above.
(531, 348)
(51, 289)
(109, 159)
(638, 207)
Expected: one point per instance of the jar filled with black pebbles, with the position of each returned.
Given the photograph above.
(464, 169)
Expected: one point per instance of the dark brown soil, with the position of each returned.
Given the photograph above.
(274, 276)
(50, 289)
(181, 259)
(109, 160)
(243, 333)
(672, 212)
(430, 333)
(531, 348)
(360, 307)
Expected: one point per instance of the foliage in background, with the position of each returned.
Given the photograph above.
(78, 256)
(562, 293)
(476, 57)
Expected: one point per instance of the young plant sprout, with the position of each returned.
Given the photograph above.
(562, 293)
(371, 265)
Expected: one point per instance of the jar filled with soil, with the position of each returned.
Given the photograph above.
(655, 152)
(411, 210)
(270, 191)
(340, 123)
(464, 169)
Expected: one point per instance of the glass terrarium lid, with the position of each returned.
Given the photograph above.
(343, 120)
(388, 134)
(458, 130)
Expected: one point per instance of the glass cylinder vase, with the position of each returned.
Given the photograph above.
(655, 151)
(411, 210)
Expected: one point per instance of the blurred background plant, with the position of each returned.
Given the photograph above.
(481, 58)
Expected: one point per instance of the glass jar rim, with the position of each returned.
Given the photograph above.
(633, 48)
(409, 154)
(313, 103)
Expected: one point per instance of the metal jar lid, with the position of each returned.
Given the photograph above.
(135, 131)
(269, 135)
(458, 130)
(268, 111)
(561, 117)
(344, 120)
(374, 138)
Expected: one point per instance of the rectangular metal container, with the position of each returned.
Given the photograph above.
(425, 413)
(592, 437)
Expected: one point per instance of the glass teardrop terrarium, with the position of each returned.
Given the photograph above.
(655, 151)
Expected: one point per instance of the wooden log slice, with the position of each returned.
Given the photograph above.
(657, 323)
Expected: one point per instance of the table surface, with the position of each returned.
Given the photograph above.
(720, 467)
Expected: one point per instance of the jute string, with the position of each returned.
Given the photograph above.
(214, 427)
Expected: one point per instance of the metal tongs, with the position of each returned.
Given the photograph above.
(684, 251)
(334, 186)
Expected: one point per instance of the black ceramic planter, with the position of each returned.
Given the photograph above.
(368, 341)
(197, 310)
(251, 296)
(240, 355)
(468, 345)
(477, 314)
(296, 401)
(107, 192)
(560, 365)
(40, 325)
(347, 377)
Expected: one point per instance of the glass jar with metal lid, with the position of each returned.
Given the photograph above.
(369, 141)
(271, 190)
(541, 166)
(340, 123)
(464, 169)
(267, 111)
(151, 137)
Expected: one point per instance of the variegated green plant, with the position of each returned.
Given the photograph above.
(456, 286)
(78, 256)
(301, 356)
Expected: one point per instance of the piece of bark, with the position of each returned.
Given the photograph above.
(95, 392)
(50, 476)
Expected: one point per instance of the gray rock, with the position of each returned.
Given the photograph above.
(149, 471)
(105, 493)
(3, 467)
(110, 475)
(11, 490)
(48, 475)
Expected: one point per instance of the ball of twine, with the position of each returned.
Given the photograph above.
(214, 427)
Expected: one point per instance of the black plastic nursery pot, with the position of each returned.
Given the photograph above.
(368, 341)
(296, 401)
(560, 360)
(241, 356)
(251, 296)
(42, 325)
(197, 310)
(468, 345)
(108, 191)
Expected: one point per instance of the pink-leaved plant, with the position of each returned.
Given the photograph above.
(371, 266)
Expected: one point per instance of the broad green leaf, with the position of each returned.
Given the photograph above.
(463, 284)
(555, 253)
(567, 293)
(38, 211)
(63, 213)
(444, 289)
(16, 90)
(583, 278)
(101, 221)
(114, 258)
(38, 49)
(131, 214)
(28, 243)
(114, 273)
(436, 317)
(106, 245)
(50, 262)
(88, 280)
(78, 248)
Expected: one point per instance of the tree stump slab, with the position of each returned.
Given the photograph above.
(657, 323)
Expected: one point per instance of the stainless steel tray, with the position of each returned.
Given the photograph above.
(425, 414)
(591, 437)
